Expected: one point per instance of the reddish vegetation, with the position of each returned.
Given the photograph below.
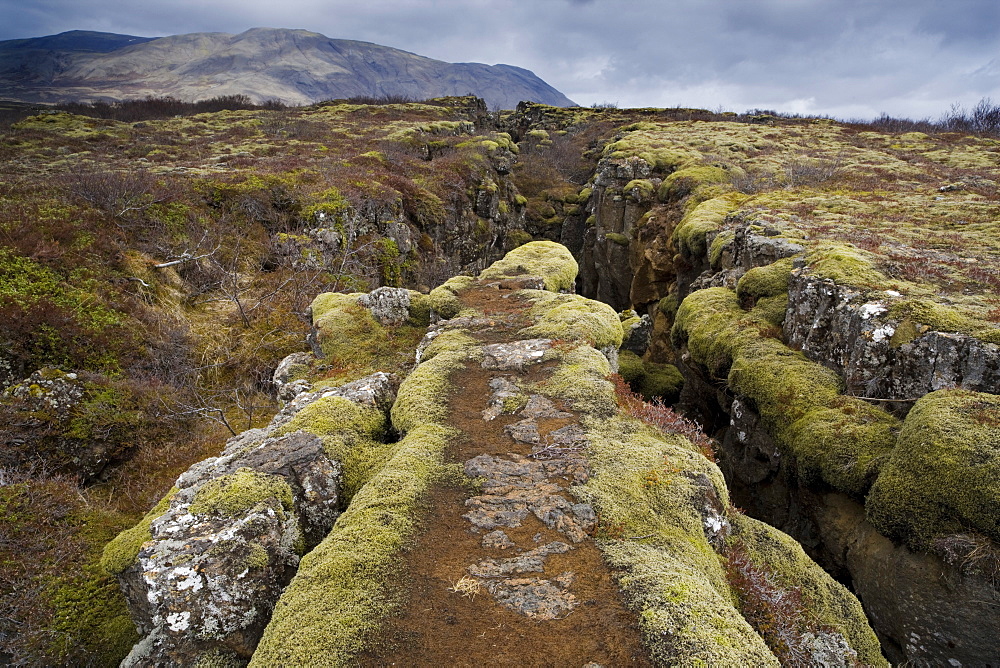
(661, 416)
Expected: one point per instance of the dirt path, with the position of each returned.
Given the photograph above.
(507, 574)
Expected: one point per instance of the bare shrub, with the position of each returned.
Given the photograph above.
(122, 195)
(661, 416)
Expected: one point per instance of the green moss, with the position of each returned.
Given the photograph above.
(352, 339)
(420, 309)
(661, 380)
(233, 494)
(682, 182)
(690, 236)
(845, 445)
(518, 238)
(422, 395)
(219, 658)
(449, 340)
(649, 378)
(630, 366)
(616, 238)
(574, 318)
(640, 189)
(937, 316)
(121, 552)
(547, 259)
(444, 298)
(844, 265)
(352, 434)
(257, 556)
(768, 281)
(828, 603)
(581, 379)
(941, 477)
(722, 241)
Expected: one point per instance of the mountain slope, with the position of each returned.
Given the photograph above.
(294, 66)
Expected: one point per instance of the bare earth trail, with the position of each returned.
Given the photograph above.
(505, 572)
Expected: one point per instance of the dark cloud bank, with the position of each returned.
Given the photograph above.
(848, 58)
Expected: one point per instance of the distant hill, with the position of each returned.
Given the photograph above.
(294, 66)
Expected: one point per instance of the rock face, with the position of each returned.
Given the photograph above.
(218, 555)
(229, 542)
(879, 355)
(256, 63)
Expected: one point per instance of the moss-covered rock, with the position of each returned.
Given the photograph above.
(121, 552)
(827, 603)
(941, 478)
(840, 440)
(444, 298)
(232, 495)
(546, 259)
(574, 318)
(650, 379)
(344, 587)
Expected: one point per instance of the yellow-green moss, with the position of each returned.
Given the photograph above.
(649, 378)
(640, 189)
(352, 434)
(690, 235)
(449, 340)
(235, 493)
(642, 485)
(551, 261)
(844, 265)
(617, 238)
(768, 281)
(420, 309)
(829, 604)
(581, 378)
(121, 552)
(942, 476)
(845, 446)
(684, 181)
(574, 318)
(444, 299)
(422, 396)
(346, 586)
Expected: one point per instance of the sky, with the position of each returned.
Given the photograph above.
(839, 58)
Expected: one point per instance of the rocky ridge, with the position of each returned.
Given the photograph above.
(814, 361)
(560, 472)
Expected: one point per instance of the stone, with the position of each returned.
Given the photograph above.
(515, 355)
(389, 306)
(639, 335)
(839, 327)
(292, 365)
(220, 555)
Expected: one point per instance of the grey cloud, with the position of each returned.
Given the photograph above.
(857, 56)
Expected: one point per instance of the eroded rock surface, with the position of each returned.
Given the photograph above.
(878, 355)
(230, 540)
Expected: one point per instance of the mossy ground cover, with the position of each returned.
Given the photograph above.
(875, 211)
(649, 490)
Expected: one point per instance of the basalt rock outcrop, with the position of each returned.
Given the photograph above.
(854, 403)
(554, 490)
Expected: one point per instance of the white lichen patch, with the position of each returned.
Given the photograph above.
(179, 621)
(882, 333)
(187, 578)
(872, 309)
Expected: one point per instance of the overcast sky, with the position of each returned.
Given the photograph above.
(844, 58)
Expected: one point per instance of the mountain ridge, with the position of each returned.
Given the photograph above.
(292, 66)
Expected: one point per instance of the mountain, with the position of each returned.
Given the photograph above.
(294, 66)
